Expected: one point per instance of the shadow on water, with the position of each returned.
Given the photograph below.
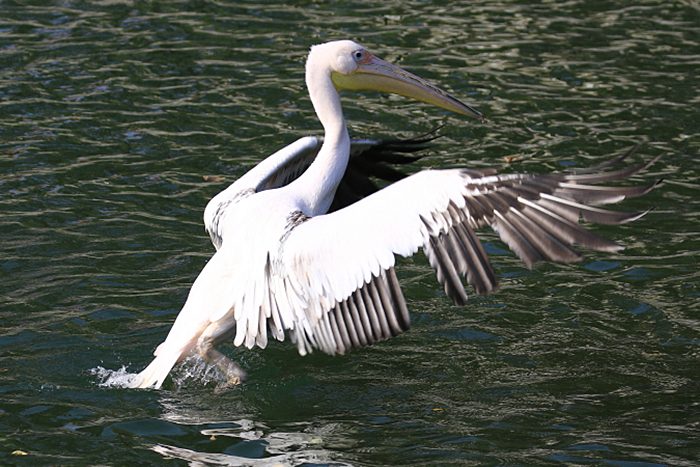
(120, 120)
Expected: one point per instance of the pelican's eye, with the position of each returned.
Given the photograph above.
(359, 55)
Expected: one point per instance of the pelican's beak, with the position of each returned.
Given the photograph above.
(377, 75)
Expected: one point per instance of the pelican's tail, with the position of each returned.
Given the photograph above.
(155, 373)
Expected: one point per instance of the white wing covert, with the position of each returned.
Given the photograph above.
(276, 170)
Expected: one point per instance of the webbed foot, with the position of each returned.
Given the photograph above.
(235, 374)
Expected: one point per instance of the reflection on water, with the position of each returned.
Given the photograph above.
(280, 460)
(248, 441)
(257, 446)
(120, 120)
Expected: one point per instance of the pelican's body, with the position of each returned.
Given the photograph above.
(285, 265)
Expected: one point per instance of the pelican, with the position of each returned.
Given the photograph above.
(287, 262)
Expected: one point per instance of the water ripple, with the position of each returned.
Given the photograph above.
(121, 120)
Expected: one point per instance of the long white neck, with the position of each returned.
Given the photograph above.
(318, 184)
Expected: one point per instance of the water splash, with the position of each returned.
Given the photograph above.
(120, 378)
(194, 370)
(191, 371)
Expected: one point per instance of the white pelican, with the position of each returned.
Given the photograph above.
(284, 263)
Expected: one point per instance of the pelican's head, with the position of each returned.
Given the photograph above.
(354, 67)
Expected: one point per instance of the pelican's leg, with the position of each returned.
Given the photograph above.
(214, 334)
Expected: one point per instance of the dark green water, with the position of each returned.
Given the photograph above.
(113, 113)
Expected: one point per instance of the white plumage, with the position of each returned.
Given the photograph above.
(284, 264)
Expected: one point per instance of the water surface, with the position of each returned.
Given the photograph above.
(120, 120)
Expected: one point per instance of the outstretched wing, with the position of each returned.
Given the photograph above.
(337, 276)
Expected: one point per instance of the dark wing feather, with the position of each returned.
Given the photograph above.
(372, 160)
(374, 312)
(537, 216)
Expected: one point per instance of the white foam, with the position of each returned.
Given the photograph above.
(114, 378)
(191, 371)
